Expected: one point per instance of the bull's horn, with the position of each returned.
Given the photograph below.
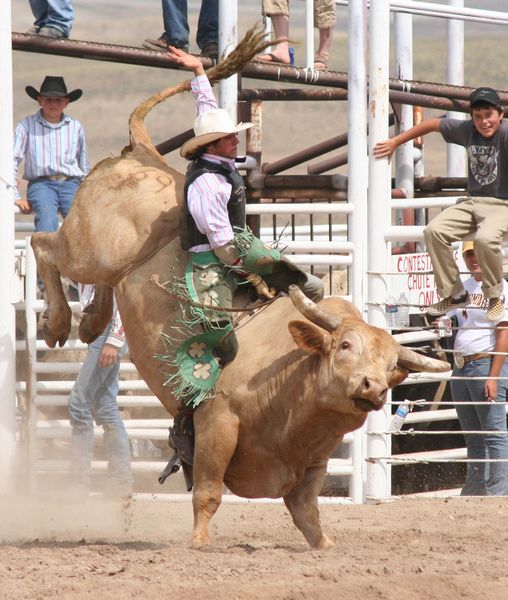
(411, 360)
(312, 311)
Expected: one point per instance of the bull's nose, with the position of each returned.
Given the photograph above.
(372, 389)
(370, 395)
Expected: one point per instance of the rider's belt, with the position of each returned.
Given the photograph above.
(54, 178)
(461, 360)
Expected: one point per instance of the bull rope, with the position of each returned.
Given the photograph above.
(180, 297)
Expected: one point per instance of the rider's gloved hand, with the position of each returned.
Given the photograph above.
(262, 289)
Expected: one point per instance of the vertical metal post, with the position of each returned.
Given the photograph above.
(404, 175)
(228, 39)
(253, 148)
(309, 34)
(267, 27)
(254, 139)
(379, 199)
(7, 259)
(455, 155)
(31, 360)
(357, 188)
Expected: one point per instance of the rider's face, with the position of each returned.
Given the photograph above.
(226, 146)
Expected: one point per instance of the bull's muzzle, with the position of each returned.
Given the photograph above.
(370, 395)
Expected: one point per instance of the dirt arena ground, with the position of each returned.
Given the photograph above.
(413, 548)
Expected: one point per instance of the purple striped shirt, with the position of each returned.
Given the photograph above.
(208, 195)
(49, 148)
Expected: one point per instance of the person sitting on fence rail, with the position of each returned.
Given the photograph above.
(485, 422)
(94, 395)
(53, 146)
(483, 212)
(223, 253)
(325, 19)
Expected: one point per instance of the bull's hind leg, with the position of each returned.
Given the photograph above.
(303, 505)
(216, 440)
(57, 323)
(97, 314)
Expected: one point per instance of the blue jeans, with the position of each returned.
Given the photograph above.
(48, 198)
(94, 396)
(58, 14)
(483, 478)
(176, 25)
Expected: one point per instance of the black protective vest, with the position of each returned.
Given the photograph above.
(189, 234)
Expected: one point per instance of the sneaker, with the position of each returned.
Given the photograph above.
(33, 30)
(446, 304)
(51, 32)
(495, 311)
(210, 51)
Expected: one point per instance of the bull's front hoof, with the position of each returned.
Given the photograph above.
(56, 330)
(91, 327)
(51, 339)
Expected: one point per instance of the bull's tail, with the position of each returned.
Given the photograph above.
(253, 43)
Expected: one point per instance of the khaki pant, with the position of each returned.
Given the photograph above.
(324, 11)
(487, 219)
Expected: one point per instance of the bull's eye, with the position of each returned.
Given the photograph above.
(345, 345)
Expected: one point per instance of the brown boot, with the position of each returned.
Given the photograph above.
(181, 435)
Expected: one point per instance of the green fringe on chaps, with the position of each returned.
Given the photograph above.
(199, 330)
(211, 283)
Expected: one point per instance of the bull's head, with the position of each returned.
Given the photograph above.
(363, 360)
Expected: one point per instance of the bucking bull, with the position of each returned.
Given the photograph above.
(305, 374)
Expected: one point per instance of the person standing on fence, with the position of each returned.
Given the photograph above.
(176, 27)
(53, 18)
(484, 411)
(484, 212)
(53, 146)
(324, 19)
(94, 396)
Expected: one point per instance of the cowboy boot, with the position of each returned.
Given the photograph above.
(181, 435)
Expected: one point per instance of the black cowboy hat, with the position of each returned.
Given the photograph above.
(55, 88)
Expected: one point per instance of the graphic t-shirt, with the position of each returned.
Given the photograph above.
(475, 333)
(487, 157)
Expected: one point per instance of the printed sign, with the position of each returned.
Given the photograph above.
(414, 278)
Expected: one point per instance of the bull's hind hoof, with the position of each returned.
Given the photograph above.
(324, 543)
(200, 542)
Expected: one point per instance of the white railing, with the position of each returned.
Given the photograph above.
(430, 9)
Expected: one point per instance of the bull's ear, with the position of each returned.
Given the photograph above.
(398, 376)
(310, 338)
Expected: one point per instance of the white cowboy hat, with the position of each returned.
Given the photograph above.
(208, 127)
